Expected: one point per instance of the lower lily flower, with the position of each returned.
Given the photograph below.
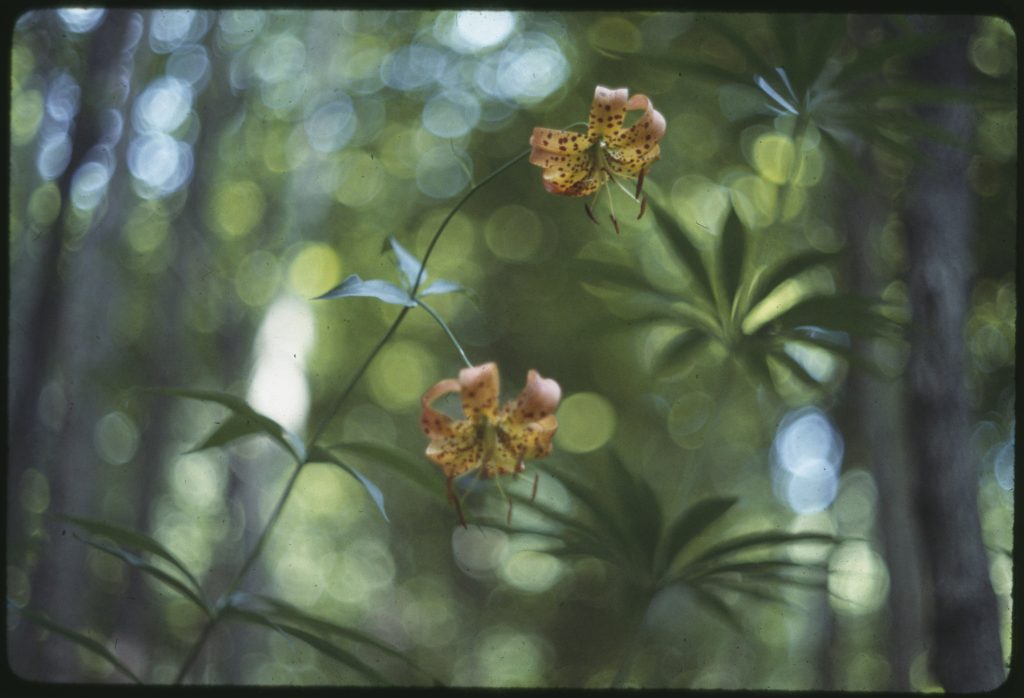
(494, 440)
(579, 165)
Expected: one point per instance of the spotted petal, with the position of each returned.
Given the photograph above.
(478, 387)
(529, 422)
(565, 157)
(458, 453)
(607, 112)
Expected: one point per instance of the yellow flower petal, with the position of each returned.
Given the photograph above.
(479, 391)
(459, 453)
(433, 423)
(530, 440)
(607, 111)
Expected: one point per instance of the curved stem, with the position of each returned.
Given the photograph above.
(451, 214)
(447, 331)
(321, 427)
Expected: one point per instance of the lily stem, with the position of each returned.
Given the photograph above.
(447, 331)
(250, 560)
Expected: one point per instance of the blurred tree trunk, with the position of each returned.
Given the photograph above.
(874, 417)
(939, 214)
(63, 335)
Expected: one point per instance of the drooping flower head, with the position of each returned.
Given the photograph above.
(579, 165)
(494, 439)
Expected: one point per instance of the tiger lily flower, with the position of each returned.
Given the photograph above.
(577, 164)
(494, 440)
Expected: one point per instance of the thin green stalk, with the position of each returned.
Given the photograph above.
(447, 331)
(321, 427)
(193, 653)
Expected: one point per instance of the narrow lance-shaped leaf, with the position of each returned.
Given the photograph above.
(442, 286)
(250, 422)
(763, 285)
(847, 313)
(320, 454)
(131, 539)
(731, 253)
(684, 248)
(76, 637)
(354, 286)
(756, 540)
(283, 611)
(325, 647)
(679, 352)
(408, 265)
(712, 601)
(797, 369)
(157, 573)
(413, 467)
(688, 527)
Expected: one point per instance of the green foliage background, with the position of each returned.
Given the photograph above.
(675, 374)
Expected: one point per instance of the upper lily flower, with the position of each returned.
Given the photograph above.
(578, 165)
(497, 440)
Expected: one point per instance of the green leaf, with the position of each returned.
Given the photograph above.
(721, 609)
(640, 511)
(856, 315)
(76, 637)
(318, 454)
(283, 611)
(754, 567)
(373, 288)
(797, 370)
(161, 575)
(442, 286)
(249, 422)
(758, 540)
(693, 522)
(684, 249)
(848, 166)
(677, 354)
(731, 254)
(413, 467)
(131, 539)
(790, 268)
(408, 265)
(325, 647)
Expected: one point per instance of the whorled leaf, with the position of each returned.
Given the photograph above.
(161, 575)
(731, 256)
(325, 647)
(128, 538)
(243, 422)
(688, 527)
(278, 612)
(76, 637)
(413, 467)
(354, 286)
(408, 265)
(318, 454)
(685, 250)
(677, 354)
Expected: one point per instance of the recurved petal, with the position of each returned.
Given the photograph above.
(538, 399)
(479, 387)
(433, 423)
(607, 111)
(645, 133)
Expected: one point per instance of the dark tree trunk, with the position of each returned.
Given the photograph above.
(875, 413)
(966, 652)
